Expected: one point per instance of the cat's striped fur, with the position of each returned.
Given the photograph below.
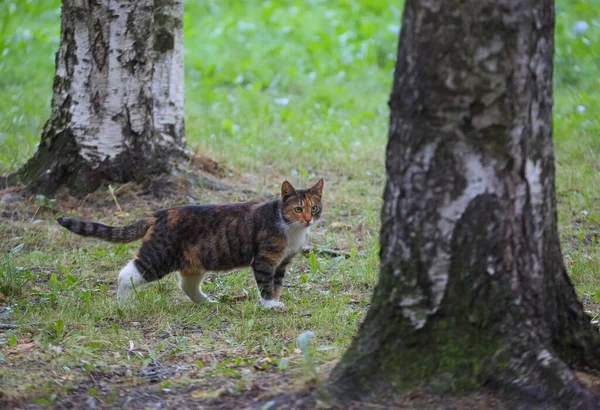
(196, 239)
(118, 234)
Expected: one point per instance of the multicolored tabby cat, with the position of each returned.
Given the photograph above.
(195, 239)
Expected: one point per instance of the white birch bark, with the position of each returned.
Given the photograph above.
(168, 81)
(117, 109)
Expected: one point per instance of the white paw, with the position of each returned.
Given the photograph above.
(129, 277)
(124, 290)
(209, 299)
(270, 304)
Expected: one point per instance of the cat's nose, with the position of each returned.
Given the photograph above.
(307, 219)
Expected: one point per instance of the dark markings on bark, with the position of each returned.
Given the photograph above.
(163, 40)
(99, 46)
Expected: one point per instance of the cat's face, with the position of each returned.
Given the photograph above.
(301, 208)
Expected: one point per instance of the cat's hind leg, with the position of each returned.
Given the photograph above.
(190, 281)
(129, 279)
(153, 262)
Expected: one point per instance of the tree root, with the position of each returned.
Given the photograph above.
(538, 379)
(524, 373)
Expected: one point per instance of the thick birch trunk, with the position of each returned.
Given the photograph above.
(472, 289)
(117, 109)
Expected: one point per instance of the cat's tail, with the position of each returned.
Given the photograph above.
(119, 234)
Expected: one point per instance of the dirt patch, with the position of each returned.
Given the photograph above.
(164, 387)
(186, 185)
(268, 390)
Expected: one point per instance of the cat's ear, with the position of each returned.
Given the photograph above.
(287, 189)
(317, 188)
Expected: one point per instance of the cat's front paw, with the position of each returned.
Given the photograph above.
(204, 298)
(271, 303)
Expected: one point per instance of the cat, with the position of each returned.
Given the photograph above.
(195, 239)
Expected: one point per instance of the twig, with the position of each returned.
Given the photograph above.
(116, 191)
(83, 201)
(216, 336)
(35, 214)
(223, 274)
(157, 374)
(370, 405)
(8, 326)
(122, 187)
(112, 193)
(33, 324)
(329, 252)
(214, 185)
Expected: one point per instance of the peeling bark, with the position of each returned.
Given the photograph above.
(472, 288)
(117, 107)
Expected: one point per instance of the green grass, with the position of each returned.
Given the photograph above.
(280, 89)
(577, 140)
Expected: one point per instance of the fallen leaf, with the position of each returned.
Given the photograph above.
(21, 348)
(340, 226)
(203, 394)
(205, 163)
(240, 297)
(412, 395)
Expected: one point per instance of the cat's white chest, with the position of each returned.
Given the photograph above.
(295, 238)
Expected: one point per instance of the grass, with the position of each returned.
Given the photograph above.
(577, 141)
(274, 90)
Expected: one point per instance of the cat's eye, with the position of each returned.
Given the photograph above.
(298, 209)
(314, 209)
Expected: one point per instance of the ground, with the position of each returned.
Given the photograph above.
(274, 90)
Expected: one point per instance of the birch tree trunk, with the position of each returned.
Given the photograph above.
(117, 108)
(472, 287)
